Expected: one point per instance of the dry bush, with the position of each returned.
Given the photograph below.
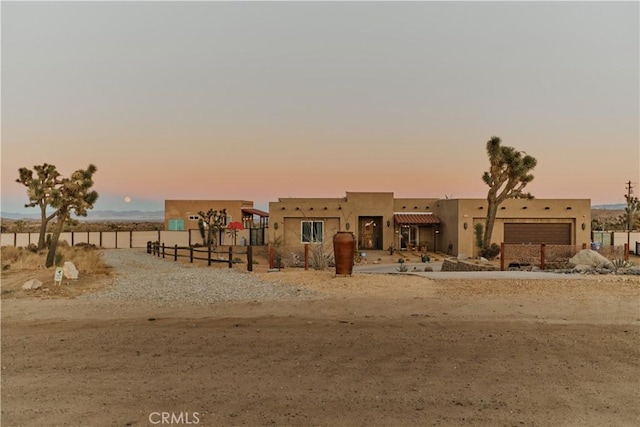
(21, 259)
(87, 260)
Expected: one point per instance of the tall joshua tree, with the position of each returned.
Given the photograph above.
(507, 177)
(74, 194)
(41, 190)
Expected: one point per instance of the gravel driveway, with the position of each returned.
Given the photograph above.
(141, 276)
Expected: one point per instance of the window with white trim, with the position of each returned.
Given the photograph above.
(312, 231)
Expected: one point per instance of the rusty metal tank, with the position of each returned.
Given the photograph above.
(344, 247)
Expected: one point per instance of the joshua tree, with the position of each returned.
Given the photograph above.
(41, 191)
(73, 194)
(630, 211)
(213, 221)
(507, 177)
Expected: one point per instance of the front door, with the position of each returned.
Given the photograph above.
(370, 233)
(409, 238)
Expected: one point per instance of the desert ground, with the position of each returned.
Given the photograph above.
(370, 349)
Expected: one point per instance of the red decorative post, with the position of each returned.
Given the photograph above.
(306, 256)
(502, 256)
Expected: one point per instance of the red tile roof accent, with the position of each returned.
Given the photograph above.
(416, 219)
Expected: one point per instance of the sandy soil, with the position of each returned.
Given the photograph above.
(371, 350)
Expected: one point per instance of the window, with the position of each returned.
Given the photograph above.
(176, 225)
(312, 231)
(194, 217)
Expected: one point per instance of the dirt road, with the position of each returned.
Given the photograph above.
(372, 350)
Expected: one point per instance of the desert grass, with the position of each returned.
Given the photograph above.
(87, 260)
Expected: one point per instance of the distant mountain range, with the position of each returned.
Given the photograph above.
(617, 206)
(99, 216)
(106, 215)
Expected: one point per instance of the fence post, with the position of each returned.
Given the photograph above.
(15, 240)
(626, 252)
(148, 246)
(249, 258)
(272, 255)
(72, 238)
(502, 256)
(101, 239)
(116, 233)
(306, 256)
(191, 254)
(230, 256)
(542, 256)
(209, 255)
(162, 250)
(130, 239)
(175, 252)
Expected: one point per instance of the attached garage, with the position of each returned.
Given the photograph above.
(550, 234)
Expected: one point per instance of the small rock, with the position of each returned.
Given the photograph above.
(32, 284)
(484, 260)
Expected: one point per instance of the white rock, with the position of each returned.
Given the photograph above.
(484, 260)
(591, 258)
(32, 284)
(462, 257)
(70, 270)
(581, 268)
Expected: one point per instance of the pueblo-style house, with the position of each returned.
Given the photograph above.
(380, 221)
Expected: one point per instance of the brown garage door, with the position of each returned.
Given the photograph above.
(551, 234)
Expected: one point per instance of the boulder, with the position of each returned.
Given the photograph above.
(462, 257)
(592, 259)
(484, 260)
(581, 268)
(32, 284)
(70, 270)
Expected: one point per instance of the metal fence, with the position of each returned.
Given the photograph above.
(113, 239)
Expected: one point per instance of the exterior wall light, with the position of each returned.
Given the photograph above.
(275, 225)
(465, 225)
(388, 223)
(584, 226)
(347, 226)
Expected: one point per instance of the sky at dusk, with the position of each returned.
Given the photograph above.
(260, 100)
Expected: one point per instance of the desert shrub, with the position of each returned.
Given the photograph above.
(319, 257)
(491, 252)
(402, 268)
(57, 259)
(621, 263)
(86, 260)
(478, 231)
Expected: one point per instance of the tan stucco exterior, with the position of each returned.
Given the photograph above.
(185, 212)
(186, 209)
(358, 209)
